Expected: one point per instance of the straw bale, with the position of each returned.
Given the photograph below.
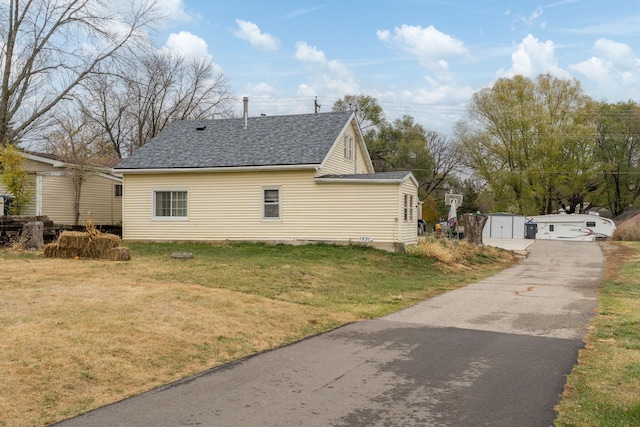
(53, 250)
(119, 254)
(50, 250)
(105, 241)
(73, 239)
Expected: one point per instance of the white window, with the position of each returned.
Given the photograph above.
(271, 203)
(348, 148)
(411, 208)
(406, 207)
(170, 203)
(117, 190)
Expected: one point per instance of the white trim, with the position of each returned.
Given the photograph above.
(111, 177)
(155, 217)
(219, 169)
(358, 181)
(54, 163)
(38, 195)
(410, 175)
(262, 201)
(59, 164)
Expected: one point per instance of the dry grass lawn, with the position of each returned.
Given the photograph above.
(78, 334)
(85, 337)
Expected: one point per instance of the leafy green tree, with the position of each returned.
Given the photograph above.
(532, 142)
(618, 151)
(369, 113)
(15, 179)
(403, 145)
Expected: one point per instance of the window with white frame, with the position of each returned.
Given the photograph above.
(406, 207)
(117, 190)
(170, 203)
(348, 148)
(411, 207)
(271, 203)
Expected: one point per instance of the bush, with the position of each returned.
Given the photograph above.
(627, 231)
(452, 251)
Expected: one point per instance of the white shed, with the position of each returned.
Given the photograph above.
(504, 226)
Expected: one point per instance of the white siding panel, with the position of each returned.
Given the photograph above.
(228, 206)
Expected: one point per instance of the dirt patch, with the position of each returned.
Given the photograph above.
(616, 254)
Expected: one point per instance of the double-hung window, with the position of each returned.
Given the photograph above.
(348, 148)
(408, 207)
(170, 204)
(271, 203)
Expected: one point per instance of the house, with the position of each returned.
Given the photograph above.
(286, 179)
(50, 181)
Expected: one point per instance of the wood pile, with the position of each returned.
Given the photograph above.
(11, 226)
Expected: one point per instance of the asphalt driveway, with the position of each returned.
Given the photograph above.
(494, 353)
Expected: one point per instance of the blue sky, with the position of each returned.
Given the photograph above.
(424, 58)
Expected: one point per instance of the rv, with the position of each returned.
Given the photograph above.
(573, 227)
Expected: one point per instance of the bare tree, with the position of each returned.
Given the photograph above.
(151, 93)
(78, 144)
(446, 161)
(48, 47)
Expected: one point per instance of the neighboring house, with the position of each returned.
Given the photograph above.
(50, 181)
(288, 179)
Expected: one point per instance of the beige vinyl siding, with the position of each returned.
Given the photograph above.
(228, 206)
(97, 200)
(337, 164)
(409, 228)
(30, 209)
(33, 166)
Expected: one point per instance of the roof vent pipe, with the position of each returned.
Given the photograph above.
(245, 101)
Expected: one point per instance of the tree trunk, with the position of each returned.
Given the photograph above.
(32, 236)
(473, 225)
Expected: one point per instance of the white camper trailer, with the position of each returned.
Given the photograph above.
(573, 227)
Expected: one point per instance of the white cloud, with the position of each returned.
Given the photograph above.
(613, 72)
(261, 89)
(532, 58)
(251, 32)
(618, 55)
(187, 45)
(306, 53)
(432, 48)
(174, 10)
(329, 77)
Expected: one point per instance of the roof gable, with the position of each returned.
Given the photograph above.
(226, 143)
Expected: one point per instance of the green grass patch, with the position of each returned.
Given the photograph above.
(604, 388)
(359, 280)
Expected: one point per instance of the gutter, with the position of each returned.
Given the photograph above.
(217, 169)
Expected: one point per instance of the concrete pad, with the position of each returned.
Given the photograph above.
(517, 245)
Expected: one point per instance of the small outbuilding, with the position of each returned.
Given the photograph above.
(504, 226)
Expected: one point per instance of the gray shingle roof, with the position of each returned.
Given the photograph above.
(303, 139)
